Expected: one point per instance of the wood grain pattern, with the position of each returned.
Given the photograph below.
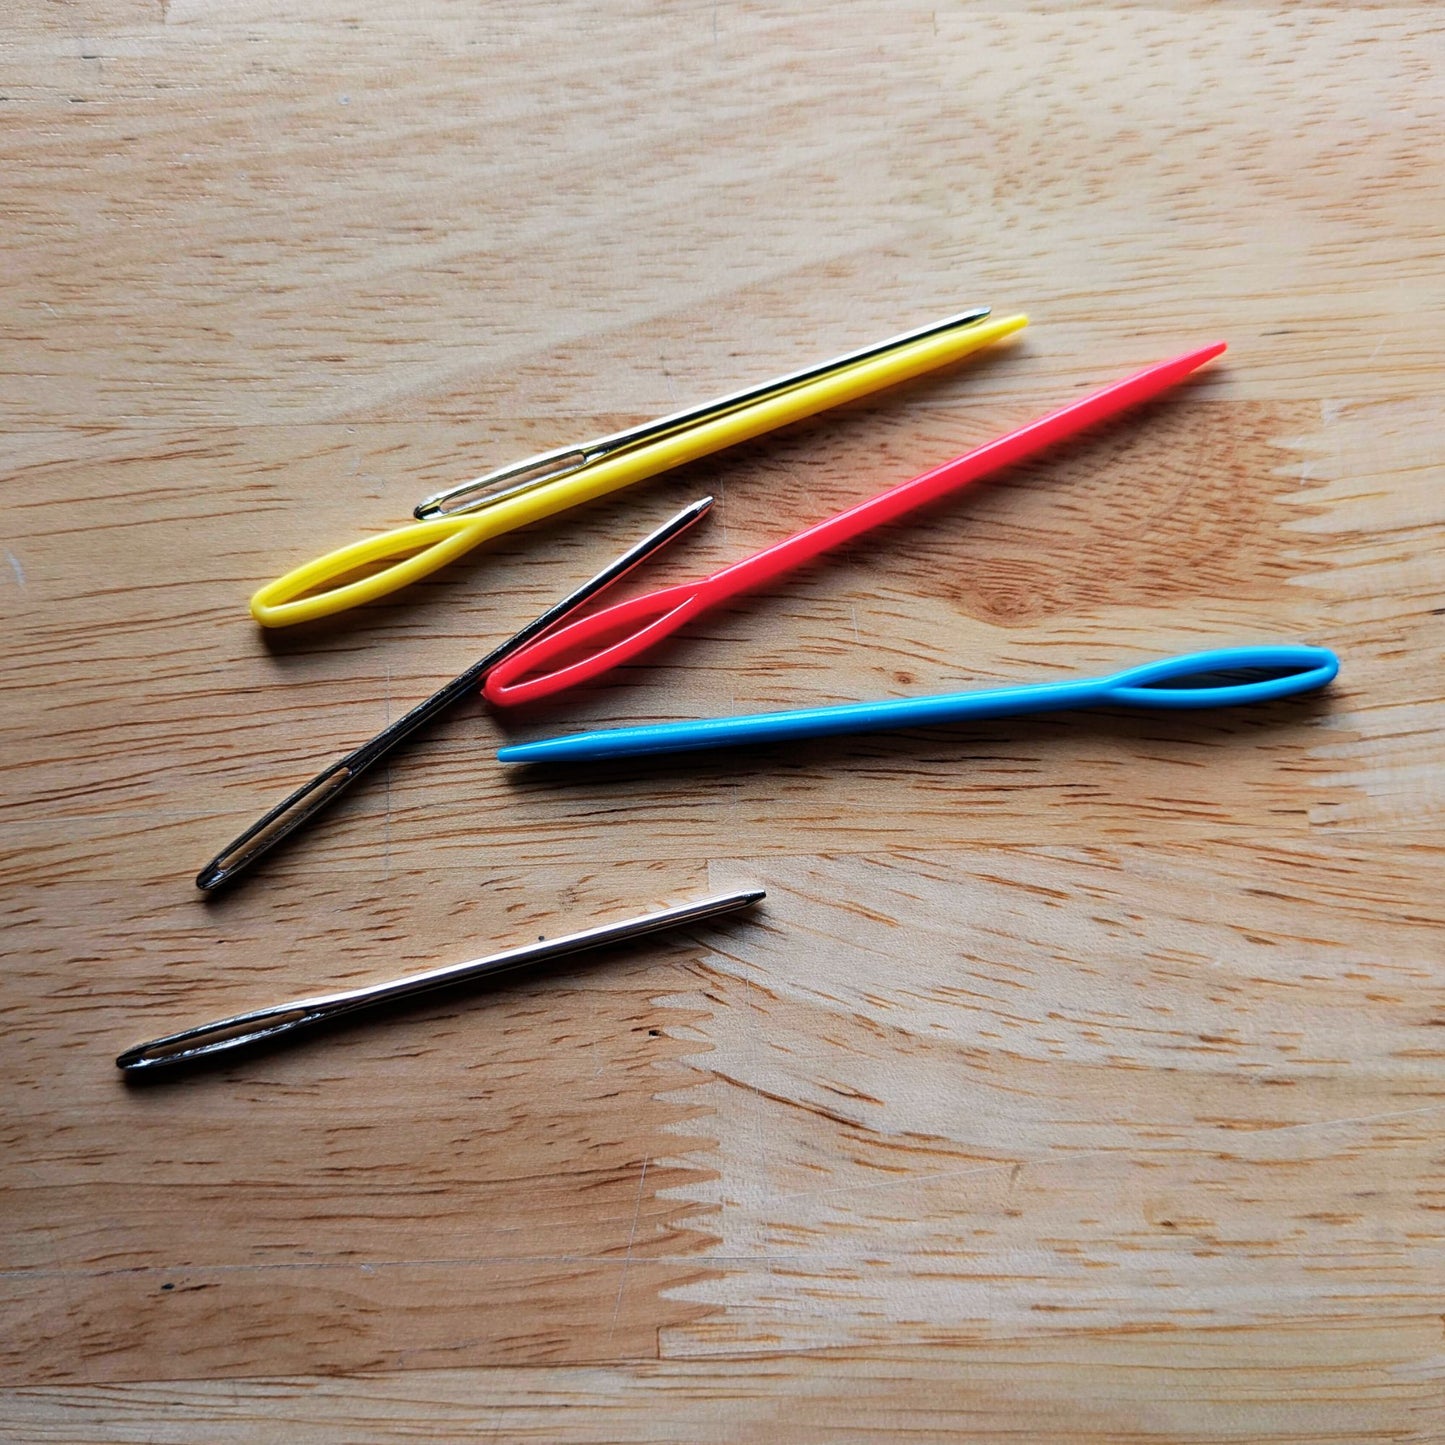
(1080, 1080)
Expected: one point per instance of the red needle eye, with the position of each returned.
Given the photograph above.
(596, 644)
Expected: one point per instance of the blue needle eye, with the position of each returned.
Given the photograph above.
(1226, 677)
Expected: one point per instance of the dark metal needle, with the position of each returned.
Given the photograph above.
(328, 785)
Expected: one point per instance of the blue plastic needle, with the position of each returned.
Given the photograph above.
(1225, 677)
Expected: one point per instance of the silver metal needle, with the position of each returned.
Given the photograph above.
(242, 1030)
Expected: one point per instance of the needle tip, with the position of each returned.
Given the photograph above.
(743, 896)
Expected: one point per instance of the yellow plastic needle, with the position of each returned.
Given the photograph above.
(396, 558)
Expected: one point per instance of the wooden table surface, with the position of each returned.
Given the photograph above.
(1080, 1079)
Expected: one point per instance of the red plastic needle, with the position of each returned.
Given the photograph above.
(587, 648)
